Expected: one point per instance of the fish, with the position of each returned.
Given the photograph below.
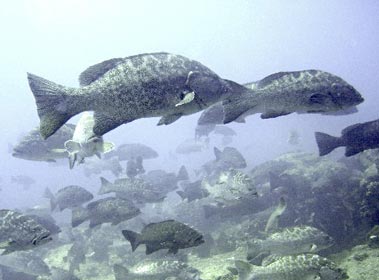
(133, 189)
(33, 147)
(134, 167)
(169, 234)
(192, 191)
(76, 255)
(291, 241)
(190, 146)
(106, 210)
(293, 138)
(224, 130)
(283, 93)
(97, 166)
(84, 142)
(47, 222)
(23, 180)
(26, 263)
(19, 232)
(157, 270)
(161, 180)
(300, 267)
(273, 220)
(356, 138)
(121, 90)
(132, 151)
(203, 131)
(68, 197)
(228, 158)
(230, 186)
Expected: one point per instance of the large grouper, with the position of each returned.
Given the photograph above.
(121, 90)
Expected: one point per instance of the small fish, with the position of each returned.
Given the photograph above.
(192, 191)
(135, 190)
(68, 197)
(97, 166)
(293, 138)
(84, 142)
(273, 220)
(228, 158)
(300, 267)
(169, 234)
(291, 241)
(106, 210)
(76, 255)
(190, 146)
(23, 180)
(356, 138)
(171, 86)
(157, 270)
(132, 151)
(33, 147)
(283, 93)
(224, 130)
(19, 232)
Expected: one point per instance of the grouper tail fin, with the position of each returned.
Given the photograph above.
(54, 104)
(327, 143)
(132, 237)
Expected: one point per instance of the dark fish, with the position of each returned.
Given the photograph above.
(161, 180)
(33, 147)
(132, 151)
(283, 93)
(68, 197)
(192, 191)
(157, 270)
(356, 138)
(169, 234)
(228, 158)
(19, 232)
(121, 90)
(107, 210)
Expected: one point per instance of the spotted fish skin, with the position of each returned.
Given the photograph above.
(20, 232)
(125, 89)
(300, 267)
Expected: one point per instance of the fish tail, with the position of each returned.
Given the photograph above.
(104, 185)
(327, 143)
(132, 237)
(53, 202)
(120, 272)
(54, 102)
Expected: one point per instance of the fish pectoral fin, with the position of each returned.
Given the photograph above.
(188, 97)
(58, 151)
(94, 72)
(107, 147)
(233, 110)
(169, 119)
(72, 146)
(72, 157)
(151, 249)
(274, 114)
(105, 123)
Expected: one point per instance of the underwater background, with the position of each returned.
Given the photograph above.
(243, 41)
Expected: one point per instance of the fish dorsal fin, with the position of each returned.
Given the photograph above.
(271, 78)
(218, 153)
(94, 72)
